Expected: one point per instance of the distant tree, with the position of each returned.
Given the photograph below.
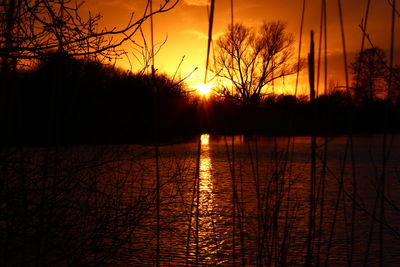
(396, 85)
(252, 59)
(370, 75)
(335, 98)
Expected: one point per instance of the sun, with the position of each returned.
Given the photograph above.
(205, 139)
(203, 89)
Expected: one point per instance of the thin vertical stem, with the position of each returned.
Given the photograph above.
(254, 168)
(234, 202)
(354, 202)
(350, 138)
(210, 28)
(346, 73)
(157, 155)
(364, 26)
(197, 181)
(321, 33)
(371, 228)
(311, 70)
(325, 51)
(152, 37)
(324, 160)
(384, 148)
(300, 42)
(322, 201)
(194, 194)
(339, 194)
(310, 235)
(231, 162)
(232, 12)
(157, 148)
(241, 211)
(393, 23)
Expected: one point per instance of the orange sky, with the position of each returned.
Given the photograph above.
(185, 28)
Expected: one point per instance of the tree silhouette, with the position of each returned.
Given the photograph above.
(252, 59)
(370, 75)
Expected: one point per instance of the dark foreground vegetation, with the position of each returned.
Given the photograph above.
(66, 100)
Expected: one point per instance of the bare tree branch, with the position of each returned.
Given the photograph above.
(33, 28)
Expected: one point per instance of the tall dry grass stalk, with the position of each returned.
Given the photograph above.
(194, 205)
(322, 180)
(312, 191)
(346, 72)
(254, 163)
(197, 181)
(157, 147)
(231, 162)
(209, 41)
(158, 184)
(350, 240)
(364, 24)
(385, 148)
(299, 49)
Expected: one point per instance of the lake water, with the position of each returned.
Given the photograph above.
(251, 204)
(222, 201)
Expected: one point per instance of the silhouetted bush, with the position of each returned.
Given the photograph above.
(337, 98)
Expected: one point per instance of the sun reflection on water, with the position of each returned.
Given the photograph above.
(206, 205)
(205, 139)
(206, 185)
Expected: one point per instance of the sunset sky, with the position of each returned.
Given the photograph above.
(185, 29)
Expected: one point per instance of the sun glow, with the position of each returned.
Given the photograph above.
(203, 89)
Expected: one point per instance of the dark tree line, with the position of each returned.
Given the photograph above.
(74, 100)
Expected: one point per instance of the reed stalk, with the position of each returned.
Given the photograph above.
(287, 226)
(354, 186)
(337, 203)
(354, 203)
(321, 34)
(157, 149)
(325, 50)
(210, 30)
(292, 139)
(158, 230)
(371, 230)
(241, 217)
(364, 23)
(385, 142)
(322, 187)
(231, 161)
(197, 181)
(195, 191)
(311, 226)
(322, 182)
(254, 168)
(346, 72)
